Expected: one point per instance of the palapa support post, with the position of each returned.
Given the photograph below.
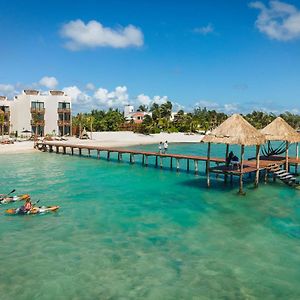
(297, 157)
(257, 166)
(241, 192)
(226, 157)
(208, 165)
(196, 166)
(177, 165)
(287, 156)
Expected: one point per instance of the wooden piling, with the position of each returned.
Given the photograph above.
(72, 151)
(287, 156)
(156, 158)
(171, 163)
(188, 165)
(196, 166)
(64, 150)
(57, 149)
(208, 165)
(177, 165)
(98, 154)
(226, 157)
(241, 170)
(80, 152)
(108, 155)
(257, 166)
(146, 162)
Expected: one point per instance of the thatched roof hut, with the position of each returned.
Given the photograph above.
(235, 131)
(280, 130)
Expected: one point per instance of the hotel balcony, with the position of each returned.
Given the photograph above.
(64, 110)
(63, 123)
(37, 110)
(38, 123)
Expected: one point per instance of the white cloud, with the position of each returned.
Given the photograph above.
(49, 82)
(8, 90)
(89, 86)
(114, 99)
(211, 105)
(280, 21)
(205, 30)
(78, 97)
(93, 34)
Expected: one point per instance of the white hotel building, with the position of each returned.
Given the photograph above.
(30, 111)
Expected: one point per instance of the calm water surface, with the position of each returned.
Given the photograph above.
(129, 232)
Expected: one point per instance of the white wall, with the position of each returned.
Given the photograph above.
(21, 111)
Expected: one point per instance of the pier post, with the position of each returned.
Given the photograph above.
(266, 175)
(188, 165)
(72, 151)
(131, 158)
(196, 166)
(108, 155)
(177, 165)
(242, 170)
(98, 154)
(171, 163)
(64, 150)
(287, 156)
(80, 152)
(57, 149)
(208, 165)
(146, 160)
(143, 159)
(89, 152)
(156, 158)
(226, 156)
(297, 157)
(50, 148)
(257, 166)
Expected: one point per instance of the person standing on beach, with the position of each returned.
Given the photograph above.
(166, 147)
(160, 147)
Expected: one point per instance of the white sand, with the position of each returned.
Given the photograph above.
(111, 139)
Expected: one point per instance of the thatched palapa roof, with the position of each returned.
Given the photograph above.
(280, 130)
(235, 130)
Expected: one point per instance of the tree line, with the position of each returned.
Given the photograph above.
(161, 119)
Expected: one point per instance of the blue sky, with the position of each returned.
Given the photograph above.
(233, 56)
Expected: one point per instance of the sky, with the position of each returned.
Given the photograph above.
(232, 56)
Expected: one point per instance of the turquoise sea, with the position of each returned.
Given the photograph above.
(130, 232)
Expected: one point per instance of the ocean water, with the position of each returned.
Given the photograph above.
(130, 232)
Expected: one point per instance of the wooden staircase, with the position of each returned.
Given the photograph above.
(283, 175)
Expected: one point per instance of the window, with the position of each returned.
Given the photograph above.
(64, 105)
(37, 105)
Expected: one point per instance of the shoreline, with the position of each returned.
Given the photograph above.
(109, 139)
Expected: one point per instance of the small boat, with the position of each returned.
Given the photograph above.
(34, 211)
(8, 199)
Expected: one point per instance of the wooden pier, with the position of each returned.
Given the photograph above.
(175, 159)
(250, 166)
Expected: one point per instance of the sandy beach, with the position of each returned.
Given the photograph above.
(110, 139)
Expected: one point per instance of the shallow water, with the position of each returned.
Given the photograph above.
(129, 232)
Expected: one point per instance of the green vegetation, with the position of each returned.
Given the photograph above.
(160, 119)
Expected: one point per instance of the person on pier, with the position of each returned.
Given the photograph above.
(165, 147)
(229, 158)
(160, 145)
